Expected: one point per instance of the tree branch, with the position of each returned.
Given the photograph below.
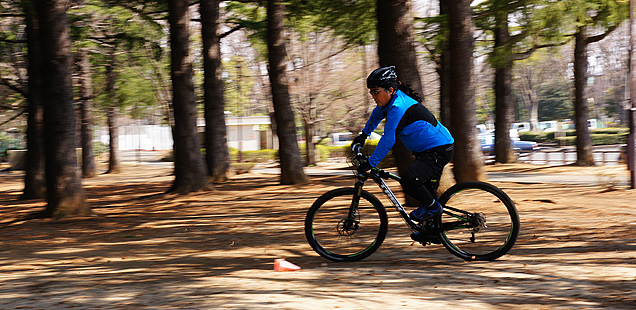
(12, 41)
(13, 87)
(227, 33)
(528, 53)
(14, 117)
(601, 36)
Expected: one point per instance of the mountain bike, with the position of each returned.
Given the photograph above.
(479, 222)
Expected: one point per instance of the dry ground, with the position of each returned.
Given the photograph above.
(215, 249)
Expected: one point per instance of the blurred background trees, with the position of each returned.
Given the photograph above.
(513, 61)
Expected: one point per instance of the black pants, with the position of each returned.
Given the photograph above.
(421, 179)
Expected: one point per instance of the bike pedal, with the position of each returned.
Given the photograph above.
(418, 238)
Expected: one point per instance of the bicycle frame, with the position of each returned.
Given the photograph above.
(378, 176)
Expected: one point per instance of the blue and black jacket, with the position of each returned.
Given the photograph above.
(416, 126)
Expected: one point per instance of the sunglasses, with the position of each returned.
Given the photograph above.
(374, 92)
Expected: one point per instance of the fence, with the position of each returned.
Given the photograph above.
(564, 157)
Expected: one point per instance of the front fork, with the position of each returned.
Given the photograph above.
(353, 208)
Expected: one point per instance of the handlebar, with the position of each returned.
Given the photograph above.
(358, 157)
(356, 149)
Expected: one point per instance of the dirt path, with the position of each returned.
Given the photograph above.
(216, 250)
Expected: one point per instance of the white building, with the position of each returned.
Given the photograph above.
(248, 133)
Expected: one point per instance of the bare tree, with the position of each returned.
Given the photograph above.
(324, 103)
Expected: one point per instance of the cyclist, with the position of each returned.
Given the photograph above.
(419, 130)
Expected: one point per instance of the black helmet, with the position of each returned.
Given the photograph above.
(382, 77)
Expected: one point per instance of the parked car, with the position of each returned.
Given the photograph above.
(488, 145)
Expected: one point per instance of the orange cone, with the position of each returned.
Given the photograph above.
(281, 264)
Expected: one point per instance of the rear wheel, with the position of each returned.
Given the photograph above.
(335, 235)
(480, 222)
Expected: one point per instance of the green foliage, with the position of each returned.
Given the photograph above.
(485, 106)
(611, 130)
(600, 13)
(253, 17)
(238, 86)
(353, 21)
(259, 156)
(432, 33)
(555, 101)
(99, 148)
(531, 24)
(603, 138)
(8, 143)
(536, 136)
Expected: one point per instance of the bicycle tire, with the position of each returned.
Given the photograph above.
(325, 221)
(501, 228)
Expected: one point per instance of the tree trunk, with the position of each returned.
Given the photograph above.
(112, 118)
(584, 155)
(86, 130)
(310, 147)
(363, 78)
(217, 154)
(114, 162)
(65, 195)
(34, 180)
(396, 41)
(468, 163)
(445, 88)
(396, 47)
(504, 107)
(445, 82)
(190, 170)
(290, 159)
(310, 131)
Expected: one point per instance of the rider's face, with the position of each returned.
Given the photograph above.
(381, 95)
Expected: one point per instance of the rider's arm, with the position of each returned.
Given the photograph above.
(374, 120)
(388, 138)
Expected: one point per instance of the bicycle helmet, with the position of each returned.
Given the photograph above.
(384, 77)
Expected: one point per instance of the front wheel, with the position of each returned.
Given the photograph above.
(480, 222)
(342, 226)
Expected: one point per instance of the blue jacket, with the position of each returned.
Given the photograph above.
(416, 126)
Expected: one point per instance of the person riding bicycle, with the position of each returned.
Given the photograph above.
(406, 118)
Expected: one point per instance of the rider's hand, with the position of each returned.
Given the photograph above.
(364, 166)
(360, 139)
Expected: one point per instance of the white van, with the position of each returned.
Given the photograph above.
(340, 138)
(548, 126)
(519, 127)
(343, 138)
(594, 124)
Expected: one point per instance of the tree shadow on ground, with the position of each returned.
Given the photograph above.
(216, 248)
